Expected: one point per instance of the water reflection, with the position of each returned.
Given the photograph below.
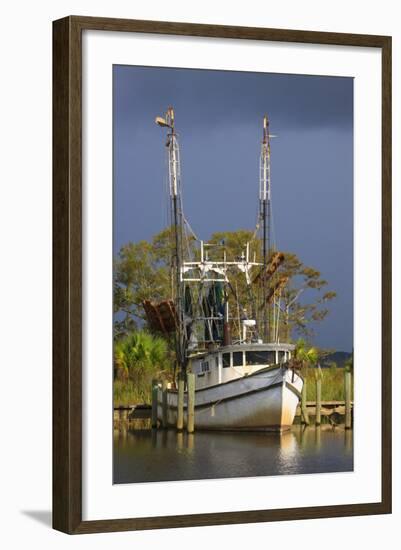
(162, 455)
(349, 440)
(318, 439)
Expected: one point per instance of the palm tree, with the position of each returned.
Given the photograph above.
(138, 357)
(304, 356)
(140, 350)
(121, 370)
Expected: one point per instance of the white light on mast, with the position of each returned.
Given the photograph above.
(161, 121)
(173, 150)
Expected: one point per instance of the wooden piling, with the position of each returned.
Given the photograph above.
(190, 402)
(180, 404)
(347, 398)
(304, 410)
(164, 404)
(318, 401)
(155, 396)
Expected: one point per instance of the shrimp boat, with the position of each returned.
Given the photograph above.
(243, 375)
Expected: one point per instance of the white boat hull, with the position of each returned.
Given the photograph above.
(263, 401)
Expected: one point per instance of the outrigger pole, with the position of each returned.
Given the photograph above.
(265, 214)
(176, 214)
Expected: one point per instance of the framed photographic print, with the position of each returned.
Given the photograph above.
(222, 274)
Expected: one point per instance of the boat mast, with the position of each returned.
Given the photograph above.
(207, 273)
(265, 215)
(176, 216)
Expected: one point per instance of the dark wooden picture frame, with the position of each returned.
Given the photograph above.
(67, 274)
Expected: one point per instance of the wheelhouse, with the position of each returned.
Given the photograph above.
(231, 362)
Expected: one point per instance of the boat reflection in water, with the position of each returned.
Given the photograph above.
(165, 455)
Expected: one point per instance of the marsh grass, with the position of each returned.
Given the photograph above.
(332, 384)
(127, 393)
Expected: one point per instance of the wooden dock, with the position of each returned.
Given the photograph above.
(332, 410)
(123, 415)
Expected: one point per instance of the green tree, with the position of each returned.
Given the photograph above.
(139, 274)
(304, 297)
(143, 272)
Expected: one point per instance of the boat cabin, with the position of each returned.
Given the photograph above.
(236, 361)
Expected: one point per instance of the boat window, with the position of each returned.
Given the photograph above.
(237, 359)
(216, 361)
(260, 357)
(204, 366)
(281, 356)
(226, 359)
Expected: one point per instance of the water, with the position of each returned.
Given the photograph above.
(165, 455)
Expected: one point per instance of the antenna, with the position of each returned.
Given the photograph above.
(265, 215)
(177, 218)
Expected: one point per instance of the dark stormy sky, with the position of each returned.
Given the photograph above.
(219, 121)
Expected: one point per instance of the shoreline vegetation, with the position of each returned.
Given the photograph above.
(141, 357)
